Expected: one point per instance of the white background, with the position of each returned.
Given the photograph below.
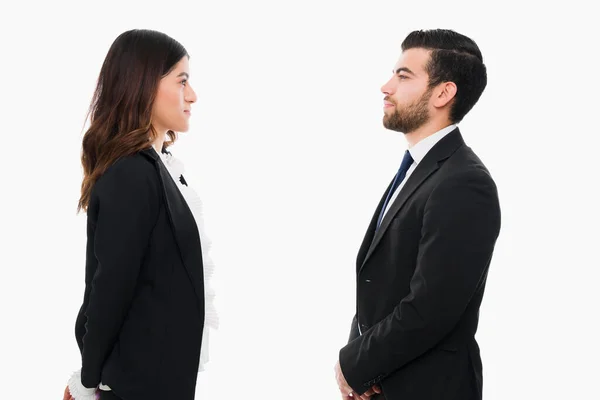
(289, 154)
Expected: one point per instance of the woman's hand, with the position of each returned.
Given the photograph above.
(67, 395)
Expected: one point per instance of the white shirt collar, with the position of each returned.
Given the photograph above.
(420, 150)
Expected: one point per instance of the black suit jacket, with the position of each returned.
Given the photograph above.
(140, 326)
(420, 282)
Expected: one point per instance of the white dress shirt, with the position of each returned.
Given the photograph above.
(418, 152)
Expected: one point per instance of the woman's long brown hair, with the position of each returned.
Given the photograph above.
(121, 108)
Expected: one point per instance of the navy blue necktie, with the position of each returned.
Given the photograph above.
(404, 166)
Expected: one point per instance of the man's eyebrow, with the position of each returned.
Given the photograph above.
(402, 69)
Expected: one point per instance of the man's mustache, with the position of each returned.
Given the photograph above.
(389, 100)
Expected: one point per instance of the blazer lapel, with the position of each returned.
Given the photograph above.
(431, 163)
(184, 228)
(368, 239)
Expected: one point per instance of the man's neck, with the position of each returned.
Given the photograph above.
(425, 131)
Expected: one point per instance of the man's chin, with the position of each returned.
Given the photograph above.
(388, 125)
(386, 121)
(394, 129)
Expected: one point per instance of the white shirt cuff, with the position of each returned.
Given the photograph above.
(78, 391)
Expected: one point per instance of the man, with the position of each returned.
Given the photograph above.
(422, 267)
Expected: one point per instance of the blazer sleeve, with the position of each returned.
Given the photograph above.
(127, 203)
(354, 333)
(461, 223)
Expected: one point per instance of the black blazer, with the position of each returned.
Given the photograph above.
(140, 326)
(420, 282)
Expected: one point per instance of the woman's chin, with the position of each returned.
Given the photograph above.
(181, 129)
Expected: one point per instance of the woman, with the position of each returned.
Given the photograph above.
(141, 324)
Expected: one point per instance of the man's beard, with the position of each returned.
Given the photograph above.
(409, 118)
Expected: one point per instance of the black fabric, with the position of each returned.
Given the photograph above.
(108, 395)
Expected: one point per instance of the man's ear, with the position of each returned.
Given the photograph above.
(444, 94)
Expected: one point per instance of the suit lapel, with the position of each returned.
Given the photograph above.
(368, 239)
(184, 228)
(419, 175)
(428, 166)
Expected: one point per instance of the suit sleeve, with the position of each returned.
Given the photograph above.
(354, 333)
(461, 223)
(128, 204)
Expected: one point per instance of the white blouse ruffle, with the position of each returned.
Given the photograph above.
(176, 169)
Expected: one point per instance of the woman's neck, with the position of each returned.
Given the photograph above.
(159, 142)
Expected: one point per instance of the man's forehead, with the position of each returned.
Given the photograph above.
(413, 59)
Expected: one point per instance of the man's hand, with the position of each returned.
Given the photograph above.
(373, 391)
(346, 391)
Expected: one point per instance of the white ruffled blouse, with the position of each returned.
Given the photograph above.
(211, 320)
(176, 169)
